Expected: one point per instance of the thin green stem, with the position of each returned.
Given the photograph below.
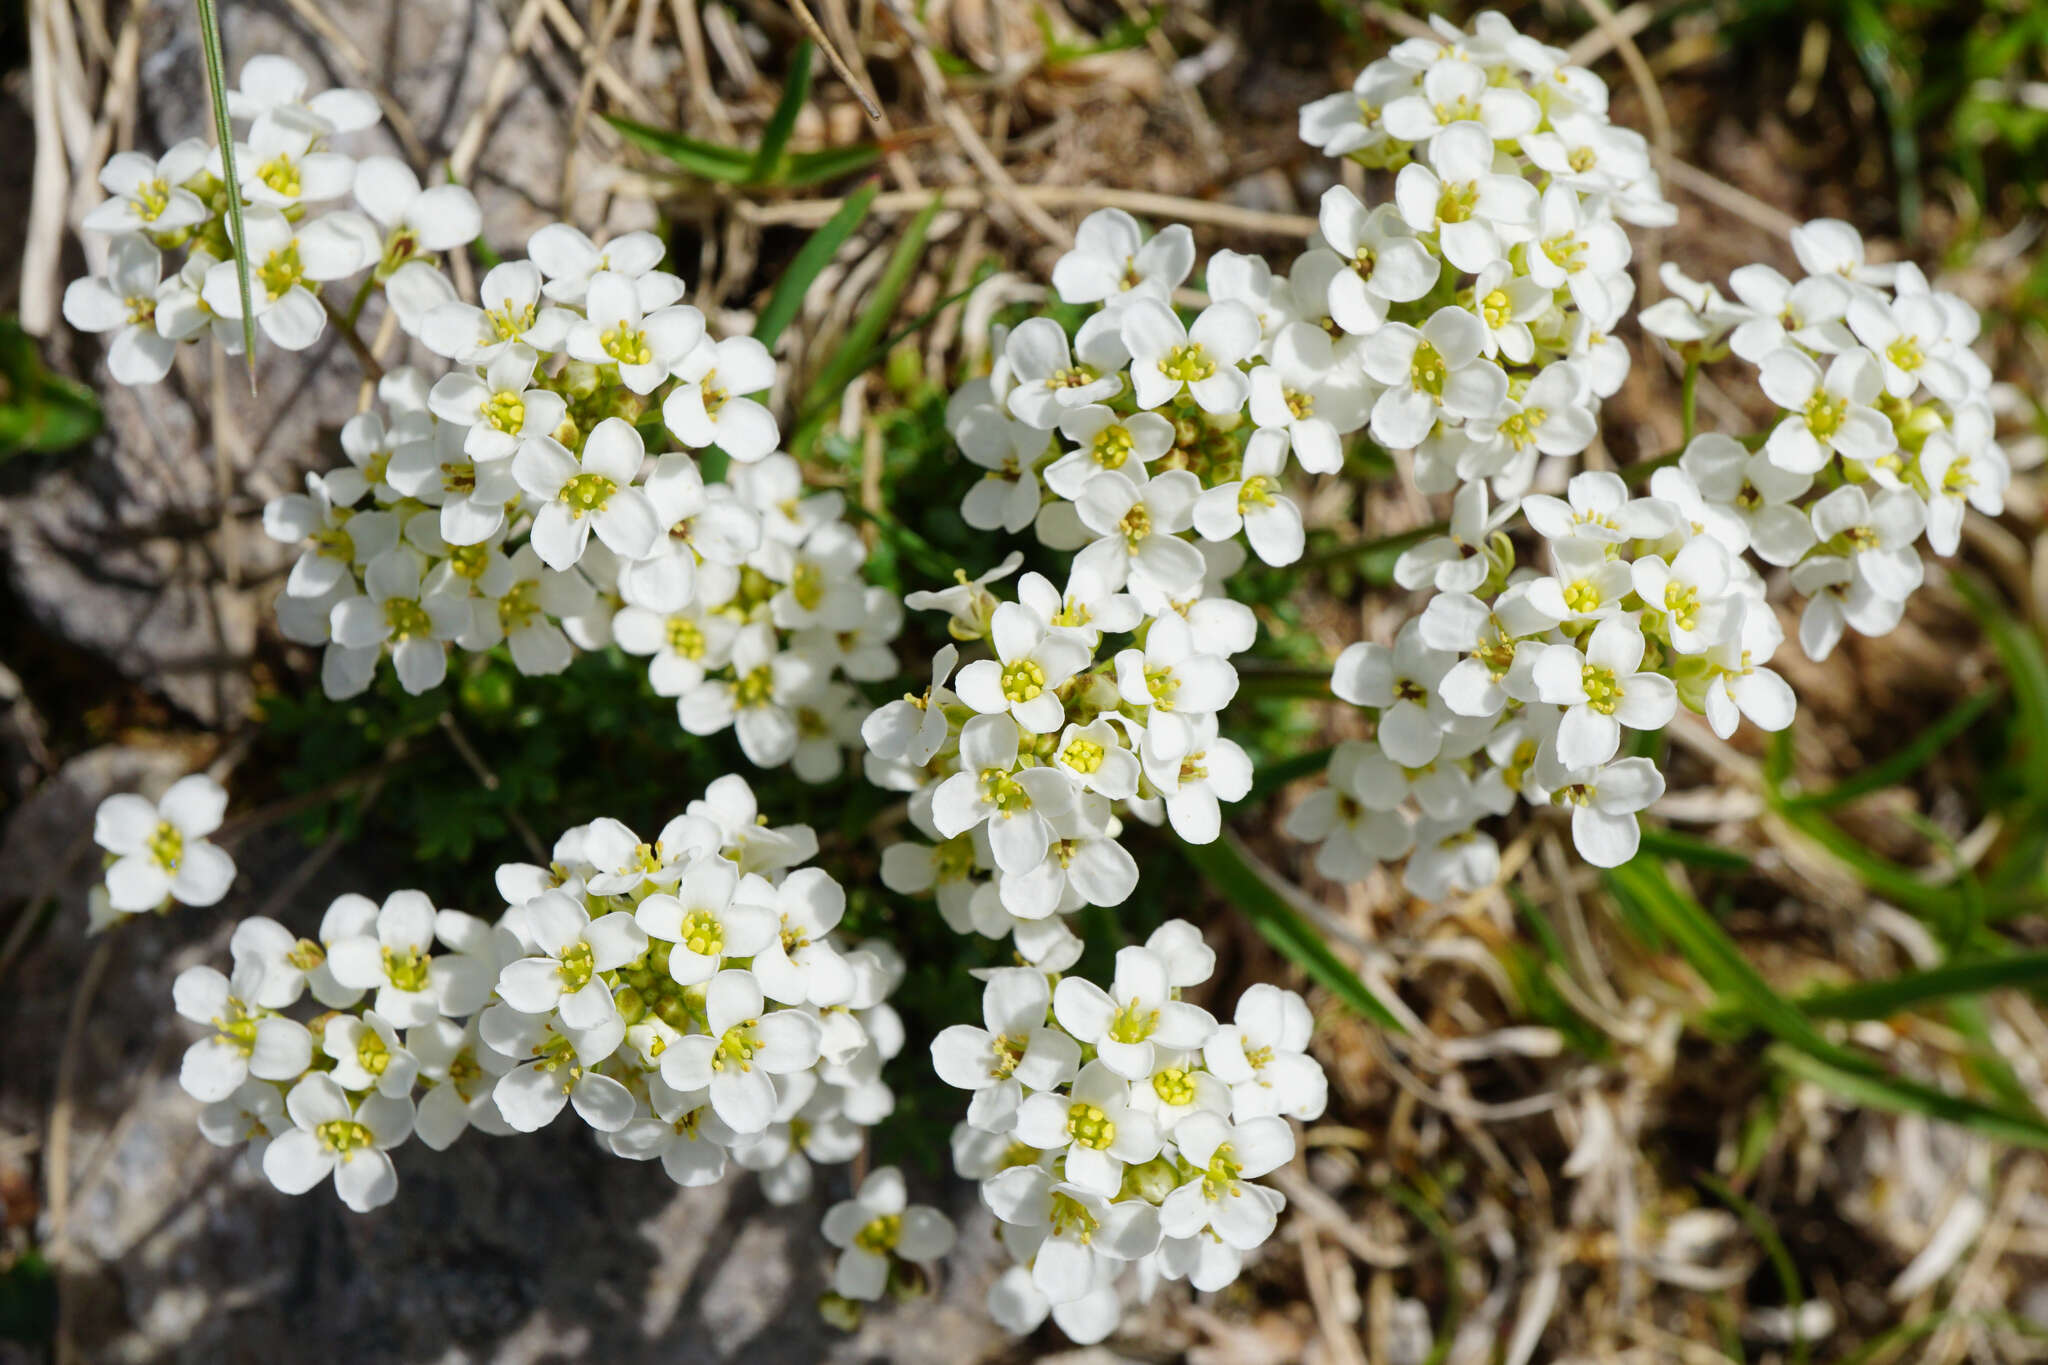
(1688, 400)
(355, 305)
(224, 134)
(367, 360)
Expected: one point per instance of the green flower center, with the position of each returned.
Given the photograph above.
(685, 638)
(587, 493)
(1133, 1023)
(1024, 680)
(1188, 363)
(519, 606)
(306, 955)
(1174, 1086)
(1161, 683)
(1905, 353)
(511, 321)
(280, 271)
(1257, 491)
(1520, 429)
(703, 934)
(881, 1234)
(712, 396)
(1581, 595)
(344, 1137)
(1582, 159)
(627, 345)
(1498, 309)
(579, 964)
(407, 618)
(756, 688)
(1683, 602)
(1082, 754)
(407, 970)
(807, 585)
(1112, 446)
(1004, 792)
(152, 197)
(736, 1047)
(1428, 370)
(1220, 1176)
(1075, 376)
(1825, 413)
(1565, 253)
(281, 174)
(371, 1054)
(505, 410)
(1089, 1127)
(1457, 201)
(469, 561)
(166, 845)
(953, 860)
(1071, 1215)
(1136, 525)
(1602, 688)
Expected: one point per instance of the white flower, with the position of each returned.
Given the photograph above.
(1752, 489)
(1456, 562)
(1809, 313)
(1382, 261)
(1830, 412)
(989, 787)
(160, 849)
(589, 491)
(395, 957)
(1839, 598)
(1032, 662)
(414, 220)
(705, 923)
(1081, 1238)
(1597, 507)
(572, 954)
(1689, 593)
(710, 406)
(1210, 772)
(1178, 682)
(758, 702)
(1602, 691)
(332, 1136)
(498, 407)
(1138, 528)
(1475, 213)
(1050, 380)
(1402, 683)
(571, 261)
(1958, 476)
(1093, 1128)
(1262, 1054)
(1111, 260)
(1136, 1015)
(282, 166)
(1450, 858)
(1587, 585)
(646, 347)
(1910, 338)
(1876, 535)
(744, 1048)
(1094, 755)
(1455, 91)
(149, 193)
(1741, 684)
(1226, 1156)
(1169, 358)
(124, 301)
(512, 313)
(1604, 802)
(558, 1067)
(282, 262)
(913, 728)
(399, 610)
(1104, 441)
(800, 965)
(1014, 1052)
(684, 1134)
(272, 85)
(1307, 395)
(254, 1114)
(1439, 366)
(459, 1072)
(247, 1041)
(1345, 819)
(1506, 303)
(518, 602)
(877, 1224)
(1574, 250)
(368, 1055)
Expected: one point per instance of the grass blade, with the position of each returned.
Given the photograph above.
(1911, 990)
(224, 133)
(1896, 768)
(781, 123)
(728, 165)
(1687, 848)
(805, 169)
(1231, 870)
(816, 254)
(1911, 1097)
(1761, 1227)
(856, 351)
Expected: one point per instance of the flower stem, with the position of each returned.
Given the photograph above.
(1688, 400)
(364, 358)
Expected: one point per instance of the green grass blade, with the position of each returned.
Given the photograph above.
(1687, 848)
(707, 160)
(224, 132)
(816, 254)
(1913, 990)
(1766, 1233)
(805, 169)
(2019, 649)
(856, 351)
(1896, 768)
(781, 123)
(1911, 1097)
(1231, 870)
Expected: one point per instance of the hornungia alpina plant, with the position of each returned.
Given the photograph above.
(551, 490)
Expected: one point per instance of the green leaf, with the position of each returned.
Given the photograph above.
(1256, 895)
(858, 349)
(1897, 767)
(727, 165)
(224, 134)
(816, 254)
(1761, 1227)
(781, 123)
(1913, 990)
(804, 169)
(1687, 848)
(1910, 1097)
(40, 413)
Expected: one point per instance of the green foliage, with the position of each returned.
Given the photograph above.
(40, 413)
(224, 139)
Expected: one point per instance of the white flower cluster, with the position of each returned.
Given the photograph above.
(1022, 764)
(157, 852)
(291, 175)
(1516, 681)
(688, 998)
(515, 501)
(1886, 435)
(1479, 304)
(880, 1232)
(1123, 1130)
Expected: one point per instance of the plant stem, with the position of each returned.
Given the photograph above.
(1688, 400)
(364, 358)
(355, 305)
